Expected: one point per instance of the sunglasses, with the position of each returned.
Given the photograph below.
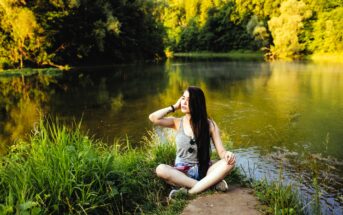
(192, 142)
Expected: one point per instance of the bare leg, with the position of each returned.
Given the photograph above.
(174, 177)
(215, 173)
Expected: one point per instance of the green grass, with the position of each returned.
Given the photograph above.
(63, 171)
(238, 54)
(277, 198)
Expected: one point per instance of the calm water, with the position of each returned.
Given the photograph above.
(287, 115)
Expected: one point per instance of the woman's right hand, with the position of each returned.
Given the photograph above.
(177, 105)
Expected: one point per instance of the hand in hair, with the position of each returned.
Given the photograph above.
(177, 105)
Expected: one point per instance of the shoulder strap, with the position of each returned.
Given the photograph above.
(181, 122)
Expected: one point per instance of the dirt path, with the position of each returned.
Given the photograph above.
(237, 200)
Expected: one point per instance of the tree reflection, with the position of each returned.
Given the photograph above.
(23, 100)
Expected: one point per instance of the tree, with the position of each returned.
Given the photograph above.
(286, 28)
(328, 32)
(21, 36)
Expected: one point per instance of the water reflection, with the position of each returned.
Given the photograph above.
(112, 101)
(22, 100)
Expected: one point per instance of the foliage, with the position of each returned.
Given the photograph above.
(328, 32)
(22, 38)
(72, 32)
(295, 28)
(107, 31)
(54, 32)
(260, 8)
(204, 26)
(286, 28)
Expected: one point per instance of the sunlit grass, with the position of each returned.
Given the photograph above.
(277, 197)
(63, 171)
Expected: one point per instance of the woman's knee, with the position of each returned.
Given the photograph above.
(162, 171)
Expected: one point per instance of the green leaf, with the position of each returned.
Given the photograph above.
(27, 205)
(114, 191)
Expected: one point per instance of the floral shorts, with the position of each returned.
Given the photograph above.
(191, 170)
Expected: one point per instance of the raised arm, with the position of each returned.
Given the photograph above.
(158, 117)
(223, 154)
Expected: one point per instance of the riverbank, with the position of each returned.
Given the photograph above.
(29, 72)
(326, 57)
(245, 55)
(234, 55)
(240, 55)
(62, 170)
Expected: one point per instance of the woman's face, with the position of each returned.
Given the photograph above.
(184, 102)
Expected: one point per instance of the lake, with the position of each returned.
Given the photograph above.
(280, 118)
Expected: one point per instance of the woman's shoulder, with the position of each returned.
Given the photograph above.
(212, 124)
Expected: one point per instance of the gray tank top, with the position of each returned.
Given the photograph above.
(185, 151)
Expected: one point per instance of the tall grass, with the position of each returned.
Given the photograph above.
(276, 196)
(59, 171)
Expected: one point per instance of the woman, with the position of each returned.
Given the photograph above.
(193, 169)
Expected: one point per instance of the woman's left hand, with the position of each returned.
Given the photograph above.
(230, 158)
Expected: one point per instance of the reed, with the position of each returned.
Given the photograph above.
(278, 198)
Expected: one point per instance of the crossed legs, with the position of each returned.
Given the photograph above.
(215, 174)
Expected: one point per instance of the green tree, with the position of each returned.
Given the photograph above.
(286, 28)
(263, 9)
(194, 25)
(259, 31)
(221, 34)
(101, 31)
(21, 36)
(328, 32)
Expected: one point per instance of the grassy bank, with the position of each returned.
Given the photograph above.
(61, 170)
(235, 55)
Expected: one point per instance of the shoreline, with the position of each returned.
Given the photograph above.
(243, 55)
(62, 170)
(237, 54)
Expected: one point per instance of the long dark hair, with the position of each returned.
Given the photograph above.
(200, 126)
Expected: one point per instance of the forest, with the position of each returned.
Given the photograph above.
(62, 33)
